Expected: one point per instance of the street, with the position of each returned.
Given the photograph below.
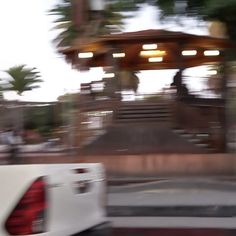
(186, 207)
(172, 232)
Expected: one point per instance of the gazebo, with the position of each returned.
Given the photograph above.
(146, 50)
(159, 49)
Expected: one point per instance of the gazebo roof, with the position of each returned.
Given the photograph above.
(170, 45)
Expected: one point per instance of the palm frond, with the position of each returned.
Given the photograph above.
(112, 21)
(21, 79)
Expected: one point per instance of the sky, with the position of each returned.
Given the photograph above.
(26, 38)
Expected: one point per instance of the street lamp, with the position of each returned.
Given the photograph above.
(81, 8)
(97, 5)
(180, 6)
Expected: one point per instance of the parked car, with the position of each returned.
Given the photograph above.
(53, 200)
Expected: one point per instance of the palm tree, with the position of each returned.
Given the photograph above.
(220, 10)
(64, 23)
(21, 79)
(110, 20)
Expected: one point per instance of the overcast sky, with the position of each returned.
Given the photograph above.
(26, 38)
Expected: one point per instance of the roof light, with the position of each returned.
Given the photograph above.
(210, 53)
(155, 59)
(109, 75)
(189, 52)
(212, 72)
(150, 46)
(85, 55)
(152, 53)
(118, 55)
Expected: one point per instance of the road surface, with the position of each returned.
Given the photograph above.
(154, 208)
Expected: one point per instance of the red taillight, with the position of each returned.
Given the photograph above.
(28, 217)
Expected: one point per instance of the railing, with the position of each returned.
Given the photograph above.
(195, 115)
(93, 120)
(198, 118)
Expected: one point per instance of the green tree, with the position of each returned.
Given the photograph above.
(21, 79)
(209, 10)
(42, 118)
(109, 20)
(64, 23)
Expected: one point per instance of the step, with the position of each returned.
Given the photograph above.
(128, 116)
(202, 135)
(141, 120)
(186, 135)
(195, 139)
(144, 103)
(202, 145)
(142, 111)
(179, 131)
(143, 107)
(211, 150)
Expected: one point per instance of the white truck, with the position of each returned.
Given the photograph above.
(53, 200)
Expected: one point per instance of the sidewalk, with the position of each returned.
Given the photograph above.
(40, 147)
(175, 198)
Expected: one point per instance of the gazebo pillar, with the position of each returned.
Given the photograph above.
(176, 103)
(224, 118)
(112, 62)
(179, 61)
